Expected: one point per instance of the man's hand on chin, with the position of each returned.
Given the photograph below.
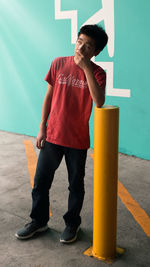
(81, 60)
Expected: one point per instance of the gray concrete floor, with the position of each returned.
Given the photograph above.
(44, 249)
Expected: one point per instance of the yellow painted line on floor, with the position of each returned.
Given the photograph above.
(31, 159)
(92, 156)
(137, 212)
(31, 162)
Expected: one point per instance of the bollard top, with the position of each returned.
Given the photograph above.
(108, 107)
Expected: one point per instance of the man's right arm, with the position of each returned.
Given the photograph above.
(45, 113)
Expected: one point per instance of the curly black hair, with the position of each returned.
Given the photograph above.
(97, 33)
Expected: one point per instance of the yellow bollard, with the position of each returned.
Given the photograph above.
(106, 125)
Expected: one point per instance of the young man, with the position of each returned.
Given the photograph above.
(73, 84)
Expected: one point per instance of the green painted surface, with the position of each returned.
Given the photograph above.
(31, 37)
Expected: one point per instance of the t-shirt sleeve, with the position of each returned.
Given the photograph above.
(51, 75)
(100, 76)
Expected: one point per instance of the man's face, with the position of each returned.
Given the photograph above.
(85, 45)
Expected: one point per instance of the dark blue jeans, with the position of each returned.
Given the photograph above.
(49, 159)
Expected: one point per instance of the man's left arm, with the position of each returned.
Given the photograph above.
(97, 93)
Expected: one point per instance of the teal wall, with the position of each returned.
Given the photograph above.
(33, 33)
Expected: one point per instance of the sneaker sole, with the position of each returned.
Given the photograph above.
(42, 229)
(71, 240)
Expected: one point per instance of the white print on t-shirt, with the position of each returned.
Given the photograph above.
(71, 81)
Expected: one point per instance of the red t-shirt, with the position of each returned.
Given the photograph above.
(68, 123)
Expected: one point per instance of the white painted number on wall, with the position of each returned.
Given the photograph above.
(106, 13)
